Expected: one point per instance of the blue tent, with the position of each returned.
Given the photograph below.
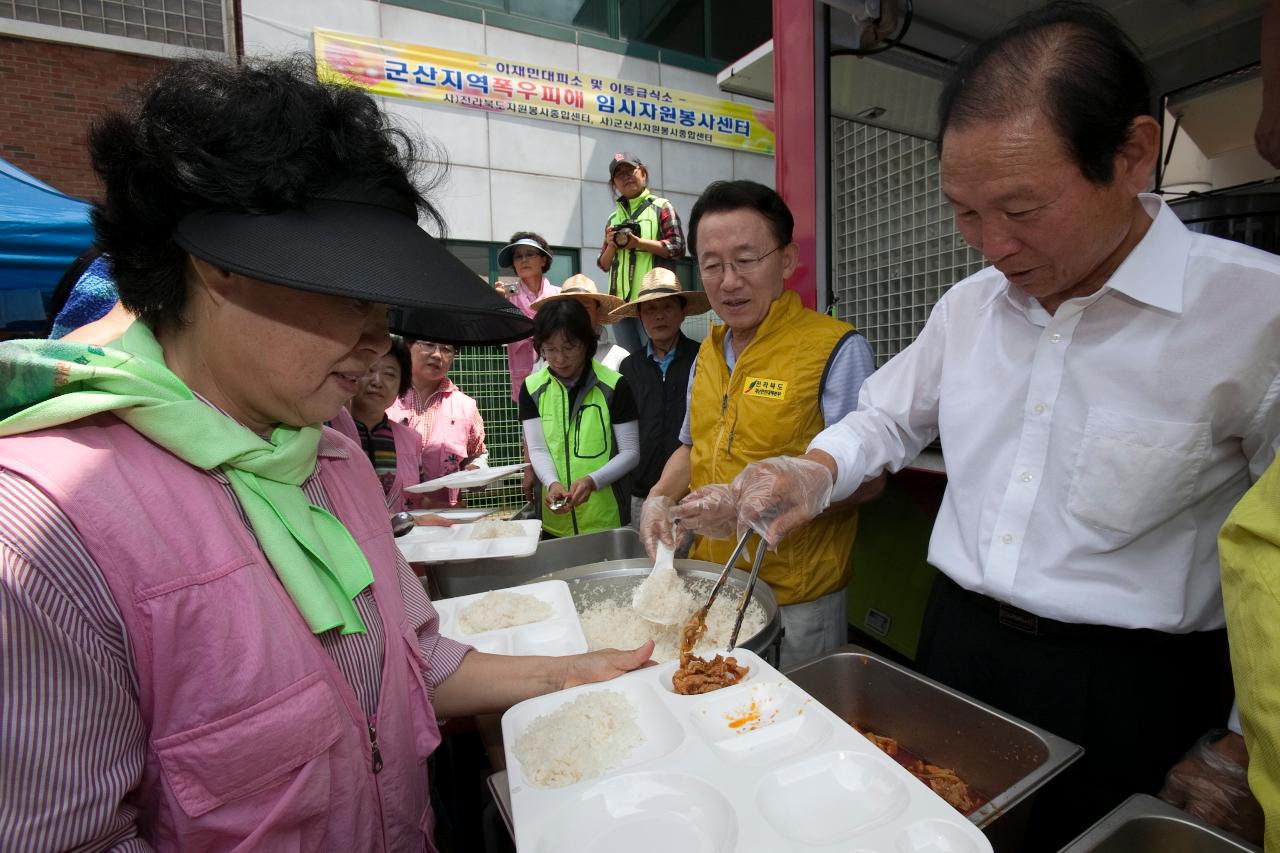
(41, 232)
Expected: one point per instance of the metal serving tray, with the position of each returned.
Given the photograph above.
(1146, 824)
(1000, 756)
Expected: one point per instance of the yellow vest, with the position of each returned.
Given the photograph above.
(1249, 547)
(771, 406)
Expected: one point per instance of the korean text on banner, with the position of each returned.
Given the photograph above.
(516, 88)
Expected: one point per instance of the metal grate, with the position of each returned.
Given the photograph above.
(897, 250)
(184, 23)
(481, 372)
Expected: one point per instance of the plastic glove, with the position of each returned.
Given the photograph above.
(655, 523)
(1212, 783)
(775, 496)
(709, 511)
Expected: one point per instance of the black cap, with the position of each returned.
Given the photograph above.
(623, 158)
(363, 243)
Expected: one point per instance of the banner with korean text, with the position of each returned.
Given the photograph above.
(516, 88)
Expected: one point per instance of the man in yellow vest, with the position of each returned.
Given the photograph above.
(763, 385)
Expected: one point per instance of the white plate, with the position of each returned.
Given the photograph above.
(460, 514)
(428, 544)
(468, 479)
(754, 768)
(559, 634)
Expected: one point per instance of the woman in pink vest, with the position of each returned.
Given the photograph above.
(209, 640)
(447, 423)
(392, 448)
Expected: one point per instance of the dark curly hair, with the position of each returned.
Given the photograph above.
(540, 240)
(259, 137)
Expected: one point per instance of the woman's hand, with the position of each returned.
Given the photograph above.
(432, 521)
(581, 490)
(557, 499)
(604, 664)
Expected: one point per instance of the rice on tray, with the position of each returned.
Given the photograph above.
(612, 623)
(581, 739)
(502, 609)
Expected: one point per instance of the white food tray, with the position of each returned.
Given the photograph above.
(472, 479)
(798, 779)
(561, 634)
(457, 514)
(426, 544)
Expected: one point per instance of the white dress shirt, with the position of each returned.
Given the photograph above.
(1091, 454)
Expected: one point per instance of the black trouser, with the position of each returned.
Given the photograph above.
(1136, 700)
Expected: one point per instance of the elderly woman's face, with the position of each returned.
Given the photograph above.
(381, 383)
(565, 356)
(431, 361)
(274, 355)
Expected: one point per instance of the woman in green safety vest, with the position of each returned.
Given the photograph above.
(580, 424)
(643, 231)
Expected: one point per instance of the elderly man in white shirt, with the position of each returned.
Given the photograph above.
(1105, 392)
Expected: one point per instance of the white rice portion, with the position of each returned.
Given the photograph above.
(492, 528)
(581, 739)
(663, 597)
(609, 623)
(502, 609)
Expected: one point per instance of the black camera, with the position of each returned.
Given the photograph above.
(628, 226)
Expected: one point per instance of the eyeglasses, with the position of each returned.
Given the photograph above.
(430, 347)
(524, 256)
(556, 352)
(713, 271)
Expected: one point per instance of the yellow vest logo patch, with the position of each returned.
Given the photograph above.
(773, 389)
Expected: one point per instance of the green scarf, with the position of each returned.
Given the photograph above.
(50, 383)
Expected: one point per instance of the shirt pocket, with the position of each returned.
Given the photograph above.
(1132, 474)
(254, 750)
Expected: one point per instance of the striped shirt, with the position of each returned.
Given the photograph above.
(379, 445)
(73, 742)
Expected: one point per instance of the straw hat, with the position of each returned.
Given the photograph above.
(661, 283)
(581, 286)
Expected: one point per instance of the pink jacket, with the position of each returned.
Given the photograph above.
(257, 742)
(445, 449)
(521, 355)
(408, 456)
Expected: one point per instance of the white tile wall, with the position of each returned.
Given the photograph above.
(754, 167)
(519, 47)
(587, 265)
(547, 205)
(463, 196)
(284, 26)
(414, 27)
(599, 146)
(685, 80)
(689, 168)
(597, 205)
(603, 63)
(537, 147)
(455, 131)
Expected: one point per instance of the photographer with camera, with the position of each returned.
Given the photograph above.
(643, 232)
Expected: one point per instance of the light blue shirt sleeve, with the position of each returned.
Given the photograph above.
(848, 367)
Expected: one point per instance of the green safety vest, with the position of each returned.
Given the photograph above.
(630, 266)
(579, 434)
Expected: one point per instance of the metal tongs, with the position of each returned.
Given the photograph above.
(746, 597)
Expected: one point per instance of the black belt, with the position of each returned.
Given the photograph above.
(1024, 622)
